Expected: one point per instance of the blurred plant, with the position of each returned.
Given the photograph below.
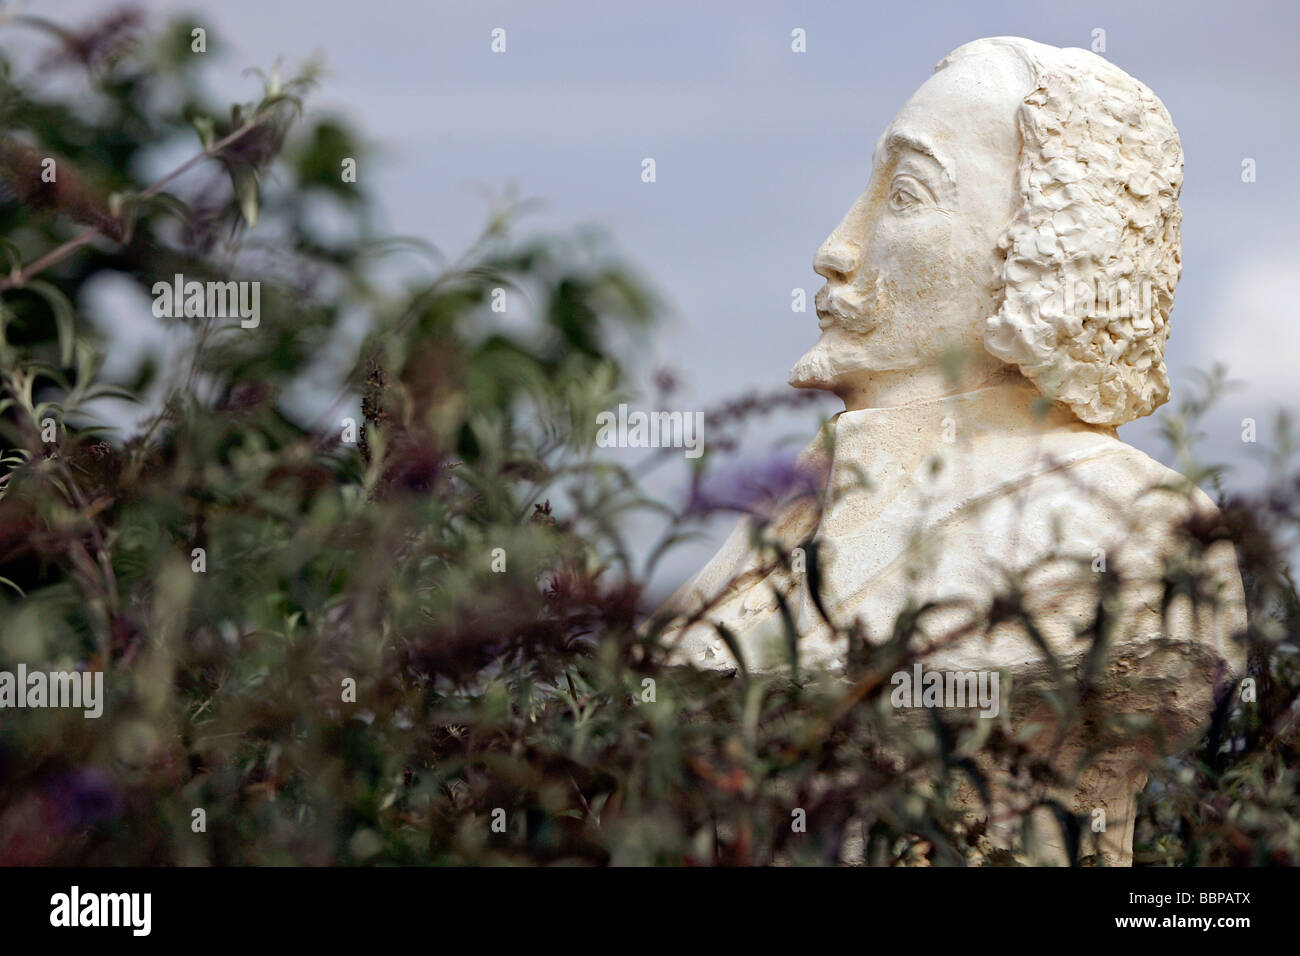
(394, 643)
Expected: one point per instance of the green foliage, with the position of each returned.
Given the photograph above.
(354, 676)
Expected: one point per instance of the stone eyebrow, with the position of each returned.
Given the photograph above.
(898, 138)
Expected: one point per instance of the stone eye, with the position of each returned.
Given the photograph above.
(906, 193)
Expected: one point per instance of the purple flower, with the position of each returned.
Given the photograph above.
(84, 797)
(755, 486)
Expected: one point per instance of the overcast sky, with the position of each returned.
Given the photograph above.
(759, 150)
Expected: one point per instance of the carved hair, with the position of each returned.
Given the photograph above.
(1094, 253)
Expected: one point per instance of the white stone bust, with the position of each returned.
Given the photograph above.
(996, 303)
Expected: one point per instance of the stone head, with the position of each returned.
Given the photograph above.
(1022, 212)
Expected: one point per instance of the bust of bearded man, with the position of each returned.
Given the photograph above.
(996, 304)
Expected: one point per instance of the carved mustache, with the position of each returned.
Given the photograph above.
(846, 311)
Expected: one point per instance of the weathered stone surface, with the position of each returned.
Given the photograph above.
(996, 303)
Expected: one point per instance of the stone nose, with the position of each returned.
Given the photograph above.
(838, 258)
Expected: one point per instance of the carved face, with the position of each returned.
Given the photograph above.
(911, 268)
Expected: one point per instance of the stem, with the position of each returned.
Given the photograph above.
(61, 252)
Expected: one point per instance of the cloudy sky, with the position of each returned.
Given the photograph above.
(759, 150)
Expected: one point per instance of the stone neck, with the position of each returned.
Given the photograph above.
(1014, 407)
